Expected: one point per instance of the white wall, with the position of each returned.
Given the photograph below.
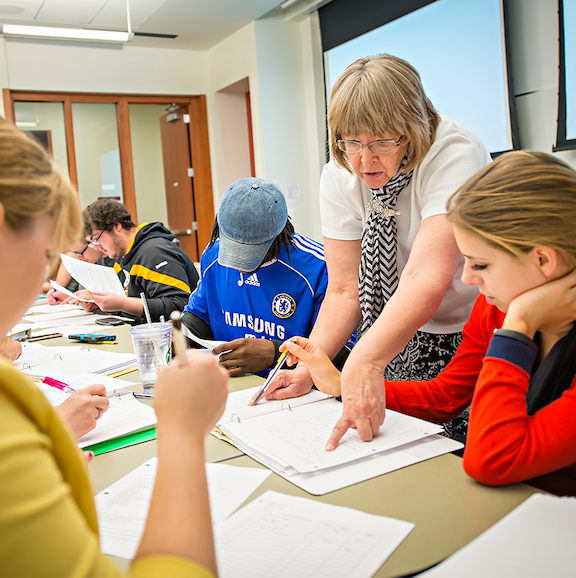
(232, 137)
(80, 68)
(228, 62)
(282, 62)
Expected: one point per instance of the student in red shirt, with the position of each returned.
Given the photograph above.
(514, 222)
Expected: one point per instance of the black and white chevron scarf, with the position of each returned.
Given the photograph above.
(378, 277)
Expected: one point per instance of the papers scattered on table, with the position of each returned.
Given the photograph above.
(96, 278)
(46, 308)
(123, 507)
(285, 536)
(56, 314)
(534, 540)
(40, 361)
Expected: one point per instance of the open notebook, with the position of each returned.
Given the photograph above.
(289, 437)
(126, 415)
(39, 361)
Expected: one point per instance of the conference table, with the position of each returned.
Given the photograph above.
(448, 508)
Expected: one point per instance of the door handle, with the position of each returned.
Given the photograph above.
(180, 232)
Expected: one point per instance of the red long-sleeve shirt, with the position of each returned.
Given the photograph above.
(505, 445)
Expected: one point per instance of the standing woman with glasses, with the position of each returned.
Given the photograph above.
(392, 259)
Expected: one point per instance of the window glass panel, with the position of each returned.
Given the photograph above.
(97, 153)
(147, 161)
(45, 120)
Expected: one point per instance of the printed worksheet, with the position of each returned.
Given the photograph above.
(285, 536)
(123, 507)
(299, 437)
(96, 278)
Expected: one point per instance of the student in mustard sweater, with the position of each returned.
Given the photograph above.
(48, 524)
(514, 223)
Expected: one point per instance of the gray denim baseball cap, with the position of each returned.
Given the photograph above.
(251, 215)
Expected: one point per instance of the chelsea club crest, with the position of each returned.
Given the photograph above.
(283, 305)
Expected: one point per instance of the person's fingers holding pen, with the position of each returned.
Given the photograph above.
(84, 407)
(190, 398)
(325, 376)
(287, 384)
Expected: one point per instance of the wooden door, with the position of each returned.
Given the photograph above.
(178, 179)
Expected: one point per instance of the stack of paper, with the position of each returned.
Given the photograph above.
(40, 361)
(289, 437)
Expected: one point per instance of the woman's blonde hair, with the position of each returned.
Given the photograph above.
(382, 95)
(31, 185)
(520, 201)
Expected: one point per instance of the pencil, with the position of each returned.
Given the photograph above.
(178, 337)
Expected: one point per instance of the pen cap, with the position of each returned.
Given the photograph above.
(176, 318)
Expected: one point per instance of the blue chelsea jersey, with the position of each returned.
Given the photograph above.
(279, 300)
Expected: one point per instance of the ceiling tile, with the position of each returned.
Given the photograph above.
(69, 11)
(113, 14)
(29, 9)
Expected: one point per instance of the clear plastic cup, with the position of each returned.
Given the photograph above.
(152, 346)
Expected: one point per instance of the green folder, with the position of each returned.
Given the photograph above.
(122, 442)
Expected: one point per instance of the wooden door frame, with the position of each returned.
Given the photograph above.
(197, 131)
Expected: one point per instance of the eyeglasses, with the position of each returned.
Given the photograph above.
(95, 243)
(81, 253)
(378, 147)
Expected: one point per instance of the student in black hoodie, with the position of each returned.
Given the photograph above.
(151, 261)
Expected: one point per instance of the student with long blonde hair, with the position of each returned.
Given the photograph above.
(48, 524)
(514, 222)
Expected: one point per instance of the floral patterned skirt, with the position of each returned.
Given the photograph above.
(429, 354)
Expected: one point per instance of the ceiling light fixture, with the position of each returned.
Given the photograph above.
(70, 33)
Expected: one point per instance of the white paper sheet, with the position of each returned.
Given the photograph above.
(207, 343)
(96, 278)
(52, 308)
(123, 507)
(299, 437)
(285, 536)
(237, 404)
(77, 381)
(41, 361)
(56, 314)
(59, 287)
(534, 540)
(125, 415)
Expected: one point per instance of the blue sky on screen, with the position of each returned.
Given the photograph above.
(570, 57)
(457, 47)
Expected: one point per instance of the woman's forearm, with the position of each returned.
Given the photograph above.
(179, 522)
(337, 319)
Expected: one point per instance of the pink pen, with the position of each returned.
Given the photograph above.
(58, 384)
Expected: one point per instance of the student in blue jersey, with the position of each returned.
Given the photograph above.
(260, 281)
